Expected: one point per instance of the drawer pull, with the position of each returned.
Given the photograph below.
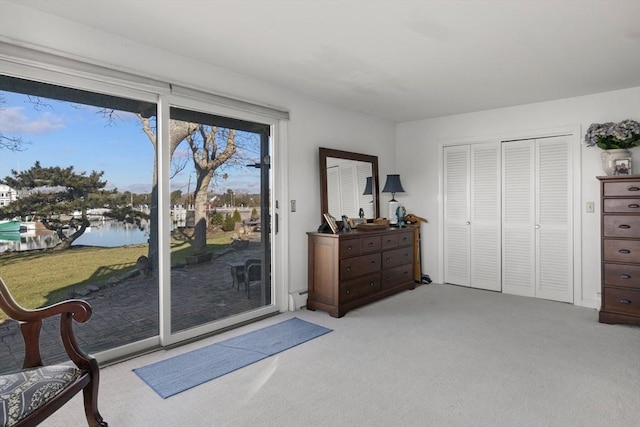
(350, 248)
(388, 259)
(634, 188)
(370, 244)
(624, 226)
(625, 301)
(634, 206)
(388, 241)
(347, 291)
(372, 284)
(348, 268)
(624, 251)
(625, 276)
(373, 263)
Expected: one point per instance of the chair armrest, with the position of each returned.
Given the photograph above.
(31, 323)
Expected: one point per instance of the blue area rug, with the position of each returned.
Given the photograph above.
(180, 373)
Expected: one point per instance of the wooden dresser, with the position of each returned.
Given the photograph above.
(620, 249)
(347, 270)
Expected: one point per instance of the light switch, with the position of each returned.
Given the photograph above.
(591, 207)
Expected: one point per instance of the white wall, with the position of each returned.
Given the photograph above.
(312, 124)
(418, 150)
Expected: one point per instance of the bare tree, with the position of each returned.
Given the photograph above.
(217, 146)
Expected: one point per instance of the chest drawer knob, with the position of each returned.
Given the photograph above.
(634, 189)
(370, 244)
(372, 284)
(373, 263)
(634, 206)
(347, 291)
(624, 251)
(625, 226)
(348, 268)
(625, 276)
(625, 301)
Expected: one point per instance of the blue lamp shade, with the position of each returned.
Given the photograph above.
(393, 186)
(368, 188)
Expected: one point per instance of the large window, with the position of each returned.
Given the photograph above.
(82, 171)
(105, 217)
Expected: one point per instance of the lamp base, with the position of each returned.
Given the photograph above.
(393, 205)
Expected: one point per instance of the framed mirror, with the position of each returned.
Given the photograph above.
(348, 182)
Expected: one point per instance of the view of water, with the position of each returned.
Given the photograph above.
(104, 233)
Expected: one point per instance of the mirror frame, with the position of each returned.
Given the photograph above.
(347, 155)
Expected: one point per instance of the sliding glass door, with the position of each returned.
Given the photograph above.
(220, 217)
(154, 208)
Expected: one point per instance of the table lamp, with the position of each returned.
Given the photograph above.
(393, 186)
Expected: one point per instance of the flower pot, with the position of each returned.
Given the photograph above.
(610, 156)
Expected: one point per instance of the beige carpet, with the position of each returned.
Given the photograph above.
(440, 355)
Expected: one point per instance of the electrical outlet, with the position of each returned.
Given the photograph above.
(293, 206)
(591, 207)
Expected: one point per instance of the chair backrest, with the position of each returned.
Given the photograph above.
(252, 268)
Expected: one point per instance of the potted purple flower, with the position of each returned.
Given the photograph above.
(615, 139)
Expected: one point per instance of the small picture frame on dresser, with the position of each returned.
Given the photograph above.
(355, 222)
(333, 224)
(622, 167)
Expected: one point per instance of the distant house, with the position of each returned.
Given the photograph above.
(7, 195)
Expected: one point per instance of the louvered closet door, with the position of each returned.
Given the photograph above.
(537, 257)
(554, 237)
(472, 215)
(518, 221)
(457, 267)
(485, 216)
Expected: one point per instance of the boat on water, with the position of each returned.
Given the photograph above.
(9, 226)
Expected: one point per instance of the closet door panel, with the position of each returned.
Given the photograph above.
(554, 269)
(518, 214)
(485, 216)
(456, 215)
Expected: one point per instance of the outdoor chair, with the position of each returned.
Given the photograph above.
(30, 395)
(250, 272)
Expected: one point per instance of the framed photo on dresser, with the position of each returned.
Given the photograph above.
(333, 224)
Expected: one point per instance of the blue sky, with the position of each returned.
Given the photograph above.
(64, 134)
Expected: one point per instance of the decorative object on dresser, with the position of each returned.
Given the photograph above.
(615, 139)
(348, 270)
(620, 226)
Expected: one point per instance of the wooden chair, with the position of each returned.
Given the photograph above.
(29, 396)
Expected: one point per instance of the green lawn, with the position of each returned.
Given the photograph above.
(38, 278)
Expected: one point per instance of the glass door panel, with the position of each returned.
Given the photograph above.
(77, 172)
(220, 234)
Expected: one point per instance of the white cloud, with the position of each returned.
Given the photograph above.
(13, 120)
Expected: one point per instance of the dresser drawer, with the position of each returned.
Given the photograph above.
(622, 275)
(630, 189)
(350, 247)
(397, 257)
(351, 268)
(405, 238)
(622, 300)
(370, 244)
(390, 241)
(362, 286)
(621, 226)
(393, 276)
(622, 205)
(622, 250)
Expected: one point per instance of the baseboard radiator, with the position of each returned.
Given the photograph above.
(297, 300)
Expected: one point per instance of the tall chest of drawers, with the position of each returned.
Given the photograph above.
(620, 249)
(347, 270)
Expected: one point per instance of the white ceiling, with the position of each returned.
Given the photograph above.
(398, 60)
